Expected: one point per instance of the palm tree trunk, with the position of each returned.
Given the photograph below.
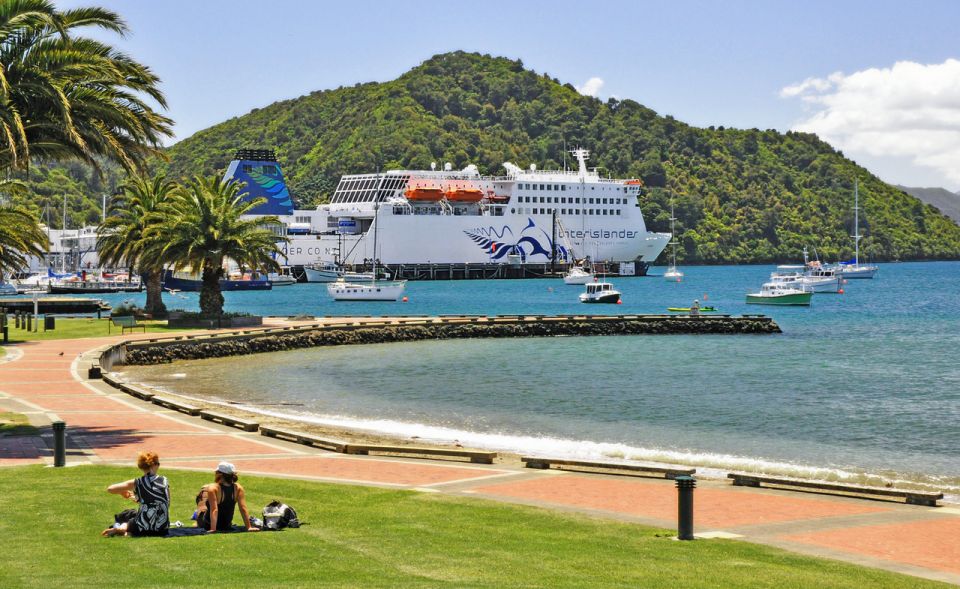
(155, 304)
(211, 300)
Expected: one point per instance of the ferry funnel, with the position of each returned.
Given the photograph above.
(259, 170)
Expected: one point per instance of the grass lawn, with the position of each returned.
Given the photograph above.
(82, 327)
(368, 537)
(16, 424)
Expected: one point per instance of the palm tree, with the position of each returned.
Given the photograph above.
(69, 97)
(20, 238)
(122, 236)
(203, 229)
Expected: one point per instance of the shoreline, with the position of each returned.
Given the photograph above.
(511, 457)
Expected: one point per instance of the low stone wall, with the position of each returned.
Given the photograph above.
(338, 336)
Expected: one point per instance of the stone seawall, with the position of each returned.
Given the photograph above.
(338, 335)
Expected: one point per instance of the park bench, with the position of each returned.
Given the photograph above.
(244, 424)
(668, 471)
(303, 438)
(475, 456)
(910, 496)
(175, 405)
(138, 392)
(125, 322)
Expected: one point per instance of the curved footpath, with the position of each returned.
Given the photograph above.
(47, 381)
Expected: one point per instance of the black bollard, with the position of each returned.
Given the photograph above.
(16, 319)
(685, 486)
(29, 322)
(59, 443)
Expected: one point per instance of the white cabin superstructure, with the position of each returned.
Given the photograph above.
(458, 217)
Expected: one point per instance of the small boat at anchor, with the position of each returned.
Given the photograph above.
(578, 275)
(341, 290)
(600, 292)
(774, 293)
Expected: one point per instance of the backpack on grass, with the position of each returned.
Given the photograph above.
(277, 515)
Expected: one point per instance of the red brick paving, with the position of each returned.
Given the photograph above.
(931, 544)
(715, 508)
(367, 470)
(135, 420)
(28, 390)
(118, 447)
(88, 402)
(20, 450)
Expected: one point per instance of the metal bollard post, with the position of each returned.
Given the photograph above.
(685, 487)
(29, 322)
(16, 319)
(59, 443)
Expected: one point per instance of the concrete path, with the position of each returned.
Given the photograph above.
(46, 381)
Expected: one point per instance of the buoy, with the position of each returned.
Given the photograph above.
(704, 296)
(840, 291)
(619, 302)
(404, 299)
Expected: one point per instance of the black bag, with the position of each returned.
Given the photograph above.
(125, 516)
(277, 515)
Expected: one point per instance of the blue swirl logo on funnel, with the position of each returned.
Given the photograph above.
(262, 179)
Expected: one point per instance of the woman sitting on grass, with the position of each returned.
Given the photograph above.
(152, 492)
(216, 502)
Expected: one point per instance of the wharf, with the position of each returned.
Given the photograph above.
(466, 271)
(51, 305)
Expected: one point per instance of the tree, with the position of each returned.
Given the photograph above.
(69, 97)
(123, 234)
(20, 238)
(203, 229)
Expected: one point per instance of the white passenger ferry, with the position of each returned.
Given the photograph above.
(460, 217)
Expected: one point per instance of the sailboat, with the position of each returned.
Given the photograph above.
(673, 274)
(375, 290)
(852, 268)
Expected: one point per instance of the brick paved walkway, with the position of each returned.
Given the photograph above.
(43, 380)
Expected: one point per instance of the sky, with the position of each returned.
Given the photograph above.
(879, 80)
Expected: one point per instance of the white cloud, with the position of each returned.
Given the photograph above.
(591, 87)
(909, 110)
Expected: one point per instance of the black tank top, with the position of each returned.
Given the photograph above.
(228, 501)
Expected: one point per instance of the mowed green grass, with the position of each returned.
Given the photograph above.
(370, 537)
(82, 327)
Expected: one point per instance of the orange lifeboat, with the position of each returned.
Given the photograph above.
(634, 182)
(464, 195)
(424, 194)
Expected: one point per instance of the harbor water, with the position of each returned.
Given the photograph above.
(861, 385)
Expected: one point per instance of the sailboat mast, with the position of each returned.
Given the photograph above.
(856, 222)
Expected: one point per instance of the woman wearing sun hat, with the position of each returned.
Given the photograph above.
(218, 500)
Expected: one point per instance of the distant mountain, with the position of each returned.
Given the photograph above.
(945, 201)
(741, 195)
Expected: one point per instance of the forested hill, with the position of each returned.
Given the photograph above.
(740, 195)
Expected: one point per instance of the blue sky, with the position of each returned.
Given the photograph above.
(706, 63)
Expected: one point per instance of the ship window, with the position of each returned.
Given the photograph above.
(247, 168)
(618, 211)
(541, 187)
(541, 199)
(512, 211)
(563, 187)
(591, 201)
(269, 169)
(578, 200)
(549, 187)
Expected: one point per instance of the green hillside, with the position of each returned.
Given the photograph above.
(740, 195)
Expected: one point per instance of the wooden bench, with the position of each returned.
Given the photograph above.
(669, 472)
(303, 438)
(125, 322)
(175, 405)
(138, 392)
(475, 456)
(912, 497)
(244, 424)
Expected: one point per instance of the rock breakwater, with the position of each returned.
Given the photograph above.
(339, 335)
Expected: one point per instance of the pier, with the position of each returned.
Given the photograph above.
(370, 330)
(49, 305)
(466, 271)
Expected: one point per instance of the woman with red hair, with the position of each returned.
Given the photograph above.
(152, 492)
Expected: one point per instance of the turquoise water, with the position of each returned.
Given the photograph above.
(860, 384)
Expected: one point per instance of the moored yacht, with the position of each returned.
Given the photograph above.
(578, 275)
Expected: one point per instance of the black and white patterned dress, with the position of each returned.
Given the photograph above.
(153, 517)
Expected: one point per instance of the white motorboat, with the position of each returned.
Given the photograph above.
(282, 278)
(342, 290)
(813, 284)
(600, 292)
(578, 275)
(673, 274)
(325, 272)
